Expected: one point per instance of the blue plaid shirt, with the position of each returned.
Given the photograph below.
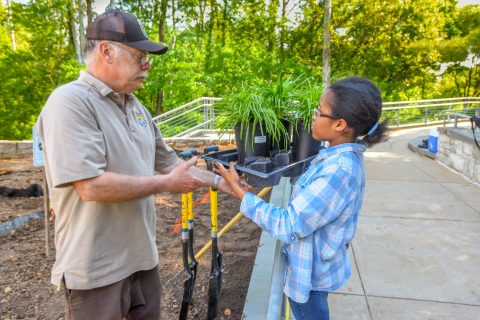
(321, 218)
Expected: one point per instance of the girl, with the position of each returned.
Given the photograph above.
(321, 218)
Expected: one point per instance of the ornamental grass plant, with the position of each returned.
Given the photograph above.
(304, 101)
(269, 104)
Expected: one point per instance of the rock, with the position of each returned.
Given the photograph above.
(7, 290)
(227, 312)
(14, 259)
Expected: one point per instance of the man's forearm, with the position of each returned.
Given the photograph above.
(118, 187)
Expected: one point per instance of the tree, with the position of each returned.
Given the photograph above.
(41, 62)
(461, 55)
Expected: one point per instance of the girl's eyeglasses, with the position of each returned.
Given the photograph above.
(318, 113)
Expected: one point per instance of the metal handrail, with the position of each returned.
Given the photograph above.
(200, 113)
(449, 113)
(429, 105)
(163, 115)
(427, 114)
(430, 100)
(183, 120)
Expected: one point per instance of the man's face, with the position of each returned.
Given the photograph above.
(128, 68)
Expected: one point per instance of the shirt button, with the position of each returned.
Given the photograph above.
(132, 128)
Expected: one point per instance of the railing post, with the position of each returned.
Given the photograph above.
(398, 118)
(426, 115)
(205, 114)
(212, 115)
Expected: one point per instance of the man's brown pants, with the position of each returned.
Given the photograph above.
(133, 298)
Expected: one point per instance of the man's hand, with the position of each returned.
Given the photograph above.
(181, 181)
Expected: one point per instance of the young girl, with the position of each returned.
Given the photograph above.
(321, 218)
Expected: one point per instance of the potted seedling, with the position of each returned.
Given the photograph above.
(254, 120)
(301, 116)
(280, 96)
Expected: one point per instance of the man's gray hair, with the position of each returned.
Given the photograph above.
(89, 49)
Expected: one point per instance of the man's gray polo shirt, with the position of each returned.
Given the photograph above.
(84, 134)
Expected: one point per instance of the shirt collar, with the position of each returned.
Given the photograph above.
(105, 90)
(341, 148)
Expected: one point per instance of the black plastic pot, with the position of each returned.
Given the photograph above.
(304, 146)
(284, 143)
(246, 146)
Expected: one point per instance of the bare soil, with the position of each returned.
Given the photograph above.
(25, 289)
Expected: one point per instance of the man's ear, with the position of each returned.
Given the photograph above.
(106, 53)
(341, 125)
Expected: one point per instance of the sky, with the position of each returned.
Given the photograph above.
(462, 3)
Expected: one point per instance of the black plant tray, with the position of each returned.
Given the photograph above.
(258, 178)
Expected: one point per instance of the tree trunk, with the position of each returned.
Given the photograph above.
(212, 21)
(159, 103)
(202, 4)
(282, 30)
(74, 31)
(112, 4)
(272, 23)
(174, 37)
(326, 43)
(10, 22)
(81, 29)
(162, 21)
(224, 22)
(89, 12)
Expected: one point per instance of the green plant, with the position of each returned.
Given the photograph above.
(279, 96)
(248, 108)
(303, 102)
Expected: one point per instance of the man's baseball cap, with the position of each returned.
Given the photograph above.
(118, 26)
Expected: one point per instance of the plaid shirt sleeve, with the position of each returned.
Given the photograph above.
(317, 200)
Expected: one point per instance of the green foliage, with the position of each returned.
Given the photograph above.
(288, 98)
(41, 62)
(305, 101)
(413, 49)
(248, 108)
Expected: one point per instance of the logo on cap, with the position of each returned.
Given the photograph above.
(143, 29)
(141, 120)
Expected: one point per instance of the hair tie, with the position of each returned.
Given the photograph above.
(373, 129)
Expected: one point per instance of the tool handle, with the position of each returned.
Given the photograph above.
(228, 226)
(214, 210)
(184, 216)
(190, 208)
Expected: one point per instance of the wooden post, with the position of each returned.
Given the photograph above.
(46, 210)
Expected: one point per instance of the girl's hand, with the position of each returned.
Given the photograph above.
(240, 188)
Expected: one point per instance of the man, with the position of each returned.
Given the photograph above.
(101, 149)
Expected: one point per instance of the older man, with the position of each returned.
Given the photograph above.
(101, 149)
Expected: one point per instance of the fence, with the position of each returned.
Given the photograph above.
(184, 120)
(199, 115)
(423, 112)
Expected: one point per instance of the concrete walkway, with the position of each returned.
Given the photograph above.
(416, 254)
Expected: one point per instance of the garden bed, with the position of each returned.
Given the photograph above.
(25, 289)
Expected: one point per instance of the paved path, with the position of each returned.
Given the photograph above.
(416, 254)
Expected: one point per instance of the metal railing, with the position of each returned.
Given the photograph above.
(199, 115)
(426, 112)
(466, 114)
